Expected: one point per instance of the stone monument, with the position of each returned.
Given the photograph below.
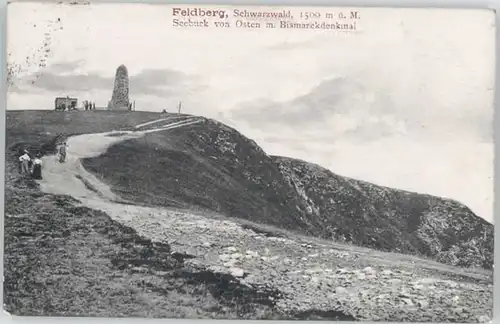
(119, 98)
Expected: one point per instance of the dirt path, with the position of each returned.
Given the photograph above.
(312, 274)
(70, 178)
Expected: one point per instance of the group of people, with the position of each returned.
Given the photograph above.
(29, 166)
(32, 166)
(89, 105)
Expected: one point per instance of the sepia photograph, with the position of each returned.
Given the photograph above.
(249, 162)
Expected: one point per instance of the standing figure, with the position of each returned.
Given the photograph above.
(36, 169)
(24, 160)
(61, 150)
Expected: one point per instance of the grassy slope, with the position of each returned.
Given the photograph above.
(37, 129)
(213, 166)
(199, 166)
(62, 259)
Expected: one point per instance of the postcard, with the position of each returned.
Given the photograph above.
(249, 162)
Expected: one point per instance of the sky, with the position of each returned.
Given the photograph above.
(404, 101)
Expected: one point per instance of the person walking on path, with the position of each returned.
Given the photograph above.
(36, 169)
(24, 161)
(61, 150)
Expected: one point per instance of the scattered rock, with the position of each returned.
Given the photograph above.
(307, 283)
(418, 286)
(387, 273)
(237, 272)
(252, 253)
(395, 281)
(369, 270)
(224, 257)
(342, 271)
(407, 301)
(236, 256)
(309, 271)
(217, 269)
(244, 282)
(427, 281)
(295, 272)
(194, 263)
(423, 303)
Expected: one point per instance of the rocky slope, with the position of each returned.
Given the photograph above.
(312, 278)
(391, 220)
(211, 166)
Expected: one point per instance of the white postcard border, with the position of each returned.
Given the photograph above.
(484, 4)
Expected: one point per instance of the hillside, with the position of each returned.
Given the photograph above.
(213, 167)
(65, 259)
(71, 249)
(392, 220)
(209, 166)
